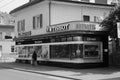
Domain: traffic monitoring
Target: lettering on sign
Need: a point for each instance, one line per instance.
(88, 27)
(23, 34)
(37, 42)
(58, 28)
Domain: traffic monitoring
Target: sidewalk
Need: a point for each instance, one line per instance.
(110, 73)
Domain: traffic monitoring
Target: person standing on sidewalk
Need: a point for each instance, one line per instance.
(34, 58)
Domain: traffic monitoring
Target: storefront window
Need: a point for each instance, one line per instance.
(27, 51)
(69, 38)
(52, 40)
(58, 39)
(89, 38)
(77, 38)
(67, 51)
(91, 51)
(59, 51)
(63, 39)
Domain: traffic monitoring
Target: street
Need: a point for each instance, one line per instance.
(21, 71)
(10, 74)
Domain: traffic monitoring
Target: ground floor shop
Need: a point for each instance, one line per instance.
(69, 48)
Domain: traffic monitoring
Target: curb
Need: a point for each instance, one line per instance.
(31, 71)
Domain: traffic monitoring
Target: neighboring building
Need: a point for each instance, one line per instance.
(115, 2)
(6, 36)
(63, 32)
(6, 19)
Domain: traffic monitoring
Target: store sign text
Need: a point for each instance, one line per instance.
(38, 42)
(24, 34)
(86, 27)
(58, 28)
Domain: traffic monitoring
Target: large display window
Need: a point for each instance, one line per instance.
(91, 51)
(77, 51)
(66, 51)
(27, 51)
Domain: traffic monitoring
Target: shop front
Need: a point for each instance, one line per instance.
(73, 44)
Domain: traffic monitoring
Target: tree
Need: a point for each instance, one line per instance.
(110, 22)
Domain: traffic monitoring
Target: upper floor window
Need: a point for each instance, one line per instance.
(13, 49)
(38, 21)
(21, 25)
(1, 37)
(98, 19)
(86, 18)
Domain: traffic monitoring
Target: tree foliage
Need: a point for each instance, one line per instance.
(110, 22)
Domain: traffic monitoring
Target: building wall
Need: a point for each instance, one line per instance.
(58, 12)
(6, 19)
(28, 14)
(64, 13)
(7, 29)
(6, 46)
(61, 12)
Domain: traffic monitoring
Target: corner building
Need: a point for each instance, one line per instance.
(63, 33)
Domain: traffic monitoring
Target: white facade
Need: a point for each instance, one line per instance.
(46, 17)
(7, 34)
(65, 12)
(28, 13)
(6, 19)
(56, 12)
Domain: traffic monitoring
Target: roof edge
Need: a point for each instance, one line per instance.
(25, 5)
(37, 1)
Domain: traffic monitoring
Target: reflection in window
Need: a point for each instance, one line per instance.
(52, 40)
(63, 39)
(67, 51)
(69, 38)
(77, 38)
(91, 51)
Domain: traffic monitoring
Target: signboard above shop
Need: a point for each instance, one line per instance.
(24, 34)
(74, 25)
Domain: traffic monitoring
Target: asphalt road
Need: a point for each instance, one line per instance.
(10, 74)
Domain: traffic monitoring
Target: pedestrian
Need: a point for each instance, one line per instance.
(34, 58)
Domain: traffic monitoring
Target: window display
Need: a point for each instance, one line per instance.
(91, 51)
(77, 52)
(66, 51)
(27, 51)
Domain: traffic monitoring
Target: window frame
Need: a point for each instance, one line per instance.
(38, 21)
(86, 18)
(21, 25)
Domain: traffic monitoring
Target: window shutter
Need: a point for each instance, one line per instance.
(41, 20)
(34, 22)
(18, 26)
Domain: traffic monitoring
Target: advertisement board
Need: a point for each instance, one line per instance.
(75, 25)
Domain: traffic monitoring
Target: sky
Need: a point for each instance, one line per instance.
(8, 5)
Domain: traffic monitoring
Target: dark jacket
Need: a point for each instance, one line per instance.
(34, 56)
